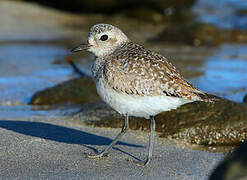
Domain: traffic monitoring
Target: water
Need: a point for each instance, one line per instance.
(222, 13)
(27, 68)
(225, 73)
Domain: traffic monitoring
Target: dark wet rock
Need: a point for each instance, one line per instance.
(157, 11)
(223, 123)
(245, 98)
(114, 6)
(161, 11)
(195, 33)
(242, 12)
(78, 91)
(234, 166)
(145, 14)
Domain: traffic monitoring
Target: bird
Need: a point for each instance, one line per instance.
(135, 81)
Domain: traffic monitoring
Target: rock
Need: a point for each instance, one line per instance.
(157, 11)
(234, 166)
(223, 123)
(115, 6)
(245, 98)
(194, 33)
(242, 12)
(78, 91)
(145, 14)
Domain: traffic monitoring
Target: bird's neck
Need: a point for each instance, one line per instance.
(105, 55)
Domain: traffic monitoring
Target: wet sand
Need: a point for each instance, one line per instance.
(54, 148)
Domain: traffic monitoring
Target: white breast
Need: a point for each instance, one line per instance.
(134, 105)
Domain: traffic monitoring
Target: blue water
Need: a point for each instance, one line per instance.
(27, 68)
(222, 13)
(225, 73)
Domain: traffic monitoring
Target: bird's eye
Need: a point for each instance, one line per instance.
(104, 37)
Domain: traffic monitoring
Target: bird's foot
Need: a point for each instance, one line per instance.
(141, 163)
(99, 155)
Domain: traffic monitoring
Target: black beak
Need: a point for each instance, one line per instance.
(80, 48)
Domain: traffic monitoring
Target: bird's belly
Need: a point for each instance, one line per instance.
(134, 105)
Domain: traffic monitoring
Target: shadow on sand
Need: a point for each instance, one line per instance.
(59, 134)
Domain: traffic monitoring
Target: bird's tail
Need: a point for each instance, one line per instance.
(208, 97)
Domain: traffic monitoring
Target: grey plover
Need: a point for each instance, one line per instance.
(135, 81)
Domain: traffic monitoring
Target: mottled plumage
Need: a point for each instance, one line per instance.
(133, 70)
(135, 81)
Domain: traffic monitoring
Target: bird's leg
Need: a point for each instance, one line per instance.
(150, 146)
(151, 140)
(123, 131)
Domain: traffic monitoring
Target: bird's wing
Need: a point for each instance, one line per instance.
(149, 74)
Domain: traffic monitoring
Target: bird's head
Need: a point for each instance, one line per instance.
(103, 39)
